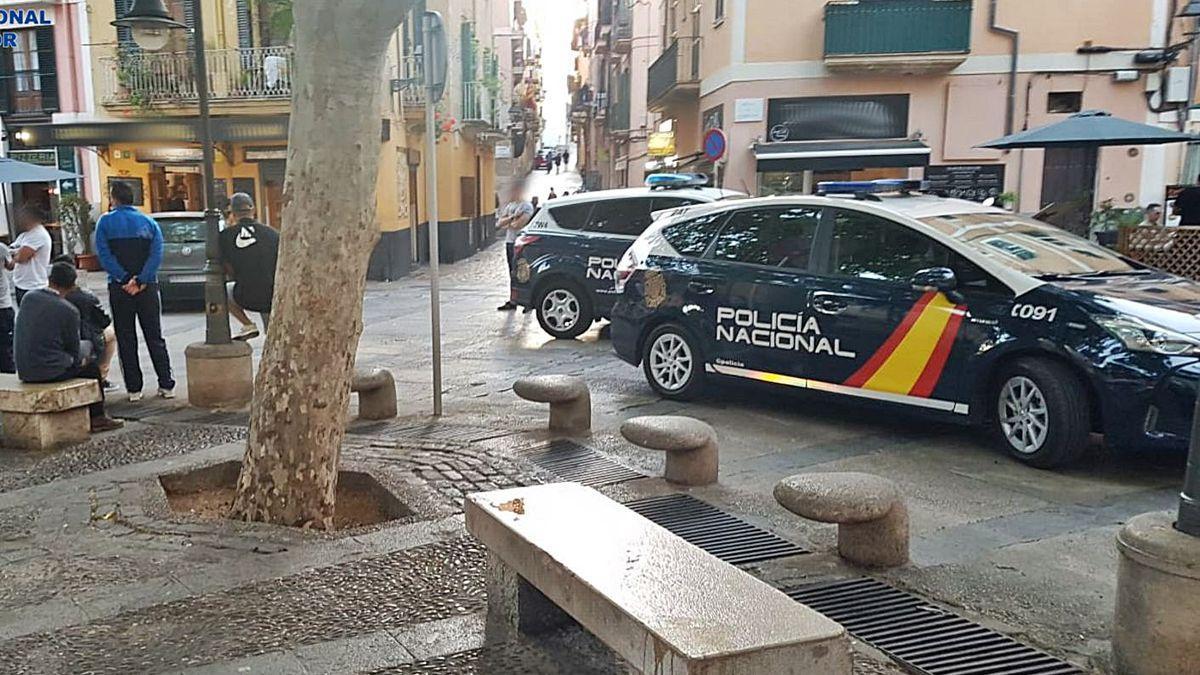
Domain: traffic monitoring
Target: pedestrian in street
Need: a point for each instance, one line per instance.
(48, 346)
(1187, 205)
(557, 163)
(567, 158)
(534, 202)
(30, 260)
(249, 252)
(552, 195)
(7, 315)
(130, 247)
(95, 326)
(515, 215)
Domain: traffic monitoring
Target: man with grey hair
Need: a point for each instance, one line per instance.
(249, 252)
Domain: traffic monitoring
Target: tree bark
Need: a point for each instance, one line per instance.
(289, 474)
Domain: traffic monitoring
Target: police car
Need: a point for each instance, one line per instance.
(566, 257)
(938, 305)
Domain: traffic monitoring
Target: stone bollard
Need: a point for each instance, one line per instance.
(870, 513)
(1158, 598)
(568, 396)
(376, 391)
(691, 446)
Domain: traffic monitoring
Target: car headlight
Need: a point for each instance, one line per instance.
(1141, 336)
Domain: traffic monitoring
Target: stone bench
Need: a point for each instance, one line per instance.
(691, 446)
(870, 513)
(565, 551)
(568, 396)
(46, 416)
(376, 391)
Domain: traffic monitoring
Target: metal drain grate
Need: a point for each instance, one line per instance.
(580, 464)
(726, 536)
(446, 433)
(923, 636)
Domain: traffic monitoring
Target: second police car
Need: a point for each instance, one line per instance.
(565, 260)
(944, 306)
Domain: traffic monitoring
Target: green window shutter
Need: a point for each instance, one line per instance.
(46, 68)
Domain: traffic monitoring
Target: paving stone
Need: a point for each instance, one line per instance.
(570, 651)
(418, 585)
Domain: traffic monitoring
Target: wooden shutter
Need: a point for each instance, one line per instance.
(47, 70)
(245, 25)
(125, 43)
(189, 19)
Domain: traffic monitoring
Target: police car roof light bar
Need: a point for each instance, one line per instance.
(868, 189)
(676, 181)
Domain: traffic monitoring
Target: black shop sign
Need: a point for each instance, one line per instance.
(973, 182)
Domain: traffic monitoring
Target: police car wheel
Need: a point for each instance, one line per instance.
(563, 310)
(672, 363)
(1041, 413)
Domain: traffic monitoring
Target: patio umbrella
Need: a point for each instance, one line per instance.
(13, 171)
(1089, 129)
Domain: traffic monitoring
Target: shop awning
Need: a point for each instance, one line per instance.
(840, 155)
(234, 129)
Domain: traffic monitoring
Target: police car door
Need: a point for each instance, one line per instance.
(612, 228)
(761, 325)
(885, 339)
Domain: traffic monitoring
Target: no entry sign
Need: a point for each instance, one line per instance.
(714, 145)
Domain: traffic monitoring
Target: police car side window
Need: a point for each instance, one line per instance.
(571, 216)
(620, 216)
(691, 238)
(775, 237)
(869, 247)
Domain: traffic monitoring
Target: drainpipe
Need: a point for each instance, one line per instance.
(1015, 38)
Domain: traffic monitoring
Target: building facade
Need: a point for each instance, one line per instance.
(809, 90)
(143, 129)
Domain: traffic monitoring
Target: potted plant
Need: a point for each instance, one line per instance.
(74, 213)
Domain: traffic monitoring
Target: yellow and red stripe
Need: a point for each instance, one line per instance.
(912, 359)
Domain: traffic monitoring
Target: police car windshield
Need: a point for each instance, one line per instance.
(1029, 245)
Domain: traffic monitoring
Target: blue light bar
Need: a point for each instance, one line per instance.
(676, 180)
(870, 187)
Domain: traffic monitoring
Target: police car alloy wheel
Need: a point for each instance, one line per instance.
(1042, 416)
(563, 310)
(672, 364)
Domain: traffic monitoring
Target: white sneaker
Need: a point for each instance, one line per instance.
(135, 396)
(166, 393)
(248, 332)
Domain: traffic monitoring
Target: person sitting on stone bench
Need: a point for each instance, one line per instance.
(47, 345)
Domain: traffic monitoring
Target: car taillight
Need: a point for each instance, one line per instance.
(625, 269)
(523, 241)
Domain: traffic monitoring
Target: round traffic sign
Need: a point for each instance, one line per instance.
(714, 144)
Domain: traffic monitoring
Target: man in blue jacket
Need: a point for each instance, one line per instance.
(130, 247)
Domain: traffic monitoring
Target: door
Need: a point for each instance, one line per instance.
(760, 326)
(888, 340)
(611, 229)
(1069, 186)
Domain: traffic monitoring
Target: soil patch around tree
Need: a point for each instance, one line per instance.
(208, 494)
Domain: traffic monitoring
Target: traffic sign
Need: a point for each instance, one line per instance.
(714, 145)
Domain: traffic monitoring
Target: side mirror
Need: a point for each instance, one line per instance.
(935, 279)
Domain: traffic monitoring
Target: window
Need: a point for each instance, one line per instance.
(718, 11)
(1058, 102)
(190, 231)
(571, 216)
(869, 247)
(822, 118)
(778, 237)
(627, 217)
(669, 203)
(28, 84)
(691, 238)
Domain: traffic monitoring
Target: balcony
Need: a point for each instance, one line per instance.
(898, 35)
(675, 77)
(28, 94)
(622, 32)
(149, 80)
(411, 78)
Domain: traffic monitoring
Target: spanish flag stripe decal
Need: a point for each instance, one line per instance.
(904, 365)
(881, 356)
(941, 354)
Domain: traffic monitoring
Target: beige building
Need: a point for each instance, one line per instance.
(144, 128)
(809, 90)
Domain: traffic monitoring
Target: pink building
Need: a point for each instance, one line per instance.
(809, 90)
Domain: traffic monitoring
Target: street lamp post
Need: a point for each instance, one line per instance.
(1188, 520)
(219, 370)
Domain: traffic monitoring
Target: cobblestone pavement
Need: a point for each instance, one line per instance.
(415, 586)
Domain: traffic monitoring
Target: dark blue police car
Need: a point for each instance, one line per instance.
(566, 257)
(944, 306)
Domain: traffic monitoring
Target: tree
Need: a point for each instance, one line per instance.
(289, 474)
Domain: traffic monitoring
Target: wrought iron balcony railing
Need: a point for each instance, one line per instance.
(146, 79)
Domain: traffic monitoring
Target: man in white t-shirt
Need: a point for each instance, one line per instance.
(7, 317)
(30, 260)
(515, 215)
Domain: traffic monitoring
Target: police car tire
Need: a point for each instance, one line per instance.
(1068, 412)
(695, 383)
(586, 318)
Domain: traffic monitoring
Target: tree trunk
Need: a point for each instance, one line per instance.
(289, 474)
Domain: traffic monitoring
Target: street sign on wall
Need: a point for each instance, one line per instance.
(661, 144)
(715, 145)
